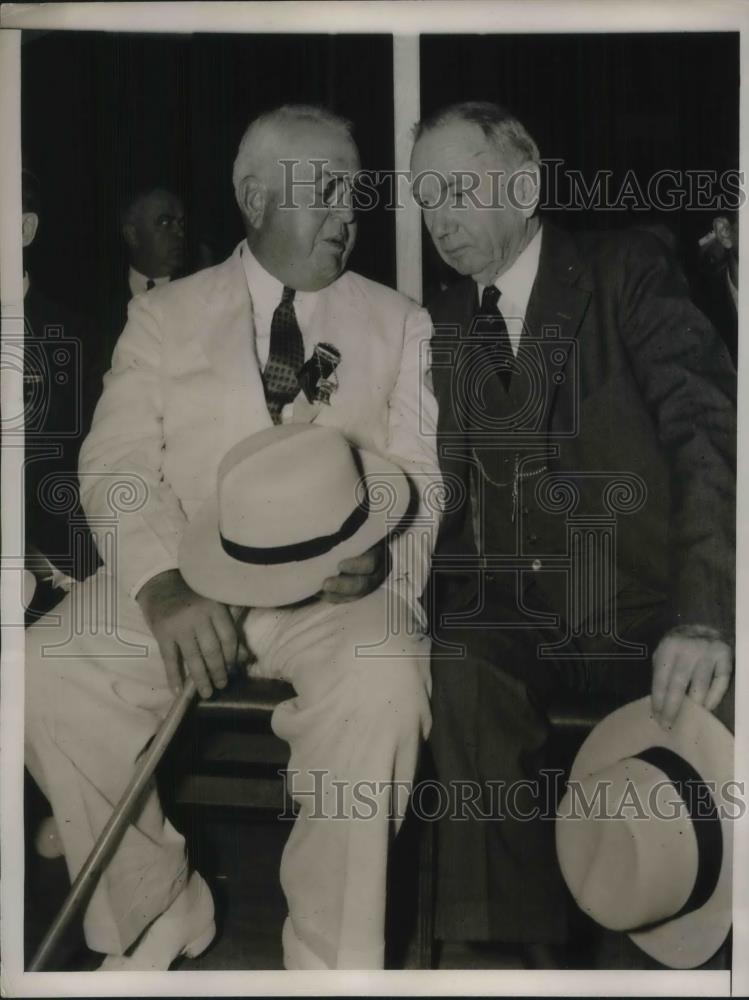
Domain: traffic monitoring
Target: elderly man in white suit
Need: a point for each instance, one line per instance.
(189, 381)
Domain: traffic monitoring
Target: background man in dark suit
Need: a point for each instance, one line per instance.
(153, 228)
(153, 225)
(59, 397)
(586, 438)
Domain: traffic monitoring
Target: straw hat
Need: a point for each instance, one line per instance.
(644, 831)
(292, 501)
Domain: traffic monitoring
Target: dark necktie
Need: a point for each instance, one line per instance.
(150, 284)
(285, 358)
(489, 323)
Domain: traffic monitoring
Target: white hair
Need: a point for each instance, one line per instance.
(245, 162)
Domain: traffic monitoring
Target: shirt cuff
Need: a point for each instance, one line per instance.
(700, 632)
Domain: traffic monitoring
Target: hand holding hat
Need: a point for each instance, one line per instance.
(692, 659)
(294, 503)
(358, 576)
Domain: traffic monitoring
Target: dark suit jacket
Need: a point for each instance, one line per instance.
(59, 398)
(638, 383)
(715, 299)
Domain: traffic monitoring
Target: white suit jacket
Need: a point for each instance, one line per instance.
(185, 386)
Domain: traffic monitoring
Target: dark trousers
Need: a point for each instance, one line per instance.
(498, 877)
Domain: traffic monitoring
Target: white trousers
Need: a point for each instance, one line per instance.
(96, 693)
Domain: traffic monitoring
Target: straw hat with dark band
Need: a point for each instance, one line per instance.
(292, 501)
(644, 831)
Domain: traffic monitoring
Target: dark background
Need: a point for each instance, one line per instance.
(103, 113)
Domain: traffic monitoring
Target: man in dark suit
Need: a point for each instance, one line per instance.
(59, 397)
(153, 229)
(586, 439)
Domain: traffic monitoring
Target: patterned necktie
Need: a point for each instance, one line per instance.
(285, 358)
(490, 324)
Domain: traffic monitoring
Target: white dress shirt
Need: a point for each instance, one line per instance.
(138, 283)
(515, 289)
(265, 293)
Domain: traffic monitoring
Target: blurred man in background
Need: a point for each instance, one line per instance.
(58, 402)
(153, 228)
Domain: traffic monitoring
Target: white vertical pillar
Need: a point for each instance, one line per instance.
(407, 104)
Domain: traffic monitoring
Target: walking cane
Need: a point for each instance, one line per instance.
(120, 818)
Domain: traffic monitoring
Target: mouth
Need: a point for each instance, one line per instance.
(454, 251)
(335, 243)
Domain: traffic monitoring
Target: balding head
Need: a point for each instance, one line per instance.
(293, 178)
(270, 132)
(507, 133)
(476, 175)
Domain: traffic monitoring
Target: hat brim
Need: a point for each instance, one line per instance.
(703, 741)
(208, 569)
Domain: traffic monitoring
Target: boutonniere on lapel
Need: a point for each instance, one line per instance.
(317, 377)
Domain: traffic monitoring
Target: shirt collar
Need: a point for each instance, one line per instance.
(515, 284)
(138, 281)
(266, 290)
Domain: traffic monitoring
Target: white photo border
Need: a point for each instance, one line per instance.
(403, 19)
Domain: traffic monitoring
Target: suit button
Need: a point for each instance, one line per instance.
(525, 511)
(536, 565)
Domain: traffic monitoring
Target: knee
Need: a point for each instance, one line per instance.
(392, 694)
(47, 677)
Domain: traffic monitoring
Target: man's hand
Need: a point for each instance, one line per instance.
(358, 576)
(192, 630)
(693, 661)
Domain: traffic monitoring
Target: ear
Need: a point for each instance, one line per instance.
(524, 188)
(29, 226)
(723, 232)
(130, 235)
(252, 195)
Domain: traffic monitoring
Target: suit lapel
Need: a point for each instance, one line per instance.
(452, 313)
(343, 318)
(227, 341)
(559, 299)
(560, 294)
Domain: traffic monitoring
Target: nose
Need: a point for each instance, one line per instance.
(439, 221)
(178, 228)
(345, 213)
(343, 207)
